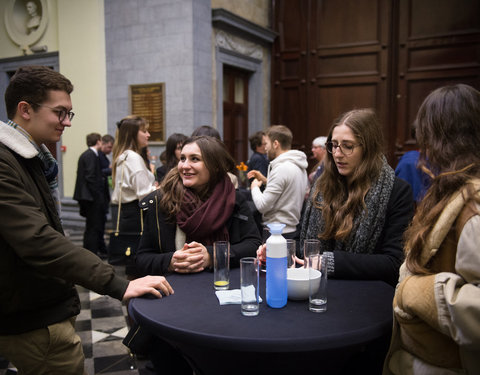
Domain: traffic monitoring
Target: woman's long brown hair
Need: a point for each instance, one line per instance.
(126, 138)
(448, 135)
(218, 162)
(341, 202)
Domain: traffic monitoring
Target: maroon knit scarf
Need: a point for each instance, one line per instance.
(205, 222)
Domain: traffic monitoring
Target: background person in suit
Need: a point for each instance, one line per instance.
(91, 195)
(106, 166)
(106, 149)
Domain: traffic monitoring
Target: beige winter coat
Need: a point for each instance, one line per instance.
(437, 317)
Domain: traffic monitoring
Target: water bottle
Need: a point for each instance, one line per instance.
(276, 267)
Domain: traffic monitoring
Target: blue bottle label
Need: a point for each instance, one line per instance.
(276, 282)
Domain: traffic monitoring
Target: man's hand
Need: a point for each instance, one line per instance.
(148, 284)
(255, 183)
(262, 253)
(258, 175)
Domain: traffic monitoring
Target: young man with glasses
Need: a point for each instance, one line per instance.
(39, 267)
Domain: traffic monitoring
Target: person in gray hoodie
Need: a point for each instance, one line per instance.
(286, 182)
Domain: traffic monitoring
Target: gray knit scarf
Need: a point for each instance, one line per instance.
(367, 226)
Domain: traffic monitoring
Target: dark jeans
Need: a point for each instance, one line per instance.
(93, 237)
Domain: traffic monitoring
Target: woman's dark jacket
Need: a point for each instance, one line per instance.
(153, 259)
(384, 263)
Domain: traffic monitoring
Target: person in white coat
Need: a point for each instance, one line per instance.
(286, 182)
(132, 177)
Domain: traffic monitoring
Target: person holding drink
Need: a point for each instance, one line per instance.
(195, 206)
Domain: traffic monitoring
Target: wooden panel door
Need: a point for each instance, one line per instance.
(332, 56)
(290, 73)
(328, 59)
(351, 50)
(235, 112)
(434, 49)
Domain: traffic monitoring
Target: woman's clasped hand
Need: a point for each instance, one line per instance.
(193, 257)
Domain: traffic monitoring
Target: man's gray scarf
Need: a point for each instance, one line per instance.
(367, 226)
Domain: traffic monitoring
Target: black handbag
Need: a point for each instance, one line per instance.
(122, 247)
(138, 340)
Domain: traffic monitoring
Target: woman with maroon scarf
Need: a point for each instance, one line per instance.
(195, 206)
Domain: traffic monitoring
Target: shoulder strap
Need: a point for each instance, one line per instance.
(119, 201)
(158, 224)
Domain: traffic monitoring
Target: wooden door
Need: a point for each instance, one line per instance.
(434, 49)
(290, 68)
(328, 59)
(332, 56)
(235, 112)
(351, 48)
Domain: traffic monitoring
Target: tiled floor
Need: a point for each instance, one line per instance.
(101, 325)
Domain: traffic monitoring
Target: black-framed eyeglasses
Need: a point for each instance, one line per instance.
(62, 113)
(346, 148)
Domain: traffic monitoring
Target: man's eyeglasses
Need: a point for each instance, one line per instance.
(62, 113)
(345, 148)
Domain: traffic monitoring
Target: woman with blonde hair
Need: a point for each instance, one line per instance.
(357, 207)
(437, 301)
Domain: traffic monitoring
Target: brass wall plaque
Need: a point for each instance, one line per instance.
(148, 101)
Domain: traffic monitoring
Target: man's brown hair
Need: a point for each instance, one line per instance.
(32, 85)
(282, 134)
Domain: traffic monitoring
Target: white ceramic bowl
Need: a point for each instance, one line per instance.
(298, 282)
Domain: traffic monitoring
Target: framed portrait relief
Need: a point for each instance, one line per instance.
(26, 21)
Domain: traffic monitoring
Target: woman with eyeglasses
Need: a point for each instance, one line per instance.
(358, 209)
(437, 301)
(131, 175)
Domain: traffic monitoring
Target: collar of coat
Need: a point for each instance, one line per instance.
(16, 141)
(445, 222)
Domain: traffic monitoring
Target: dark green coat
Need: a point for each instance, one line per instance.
(39, 267)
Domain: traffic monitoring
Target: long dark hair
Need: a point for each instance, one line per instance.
(448, 134)
(172, 142)
(218, 162)
(341, 202)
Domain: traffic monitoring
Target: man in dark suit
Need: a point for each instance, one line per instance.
(91, 196)
(105, 166)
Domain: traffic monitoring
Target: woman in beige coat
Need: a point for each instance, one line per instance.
(437, 301)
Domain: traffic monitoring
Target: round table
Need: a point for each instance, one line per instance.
(358, 319)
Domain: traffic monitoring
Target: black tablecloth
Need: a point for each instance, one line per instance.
(359, 313)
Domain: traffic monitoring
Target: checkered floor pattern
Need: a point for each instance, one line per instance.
(101, 325)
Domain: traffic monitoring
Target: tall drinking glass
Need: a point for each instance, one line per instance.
(310, 247)
(221, 265)
(317, 274)
(249, 286)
